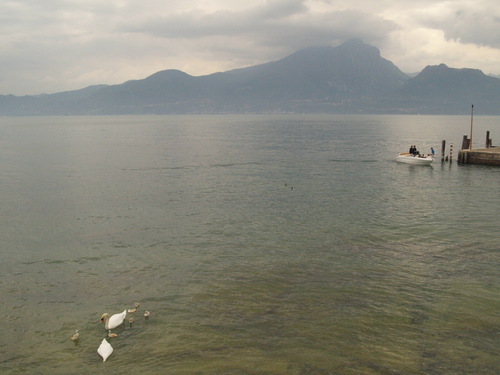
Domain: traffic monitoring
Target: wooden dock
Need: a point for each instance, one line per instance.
(482, 156)
(489, 155)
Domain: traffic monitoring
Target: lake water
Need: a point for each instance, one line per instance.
(273, 244)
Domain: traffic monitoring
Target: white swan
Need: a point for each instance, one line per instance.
(114, 321)
(105, 350)
(75, 336)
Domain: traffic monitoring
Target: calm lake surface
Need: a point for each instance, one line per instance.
(273, 244)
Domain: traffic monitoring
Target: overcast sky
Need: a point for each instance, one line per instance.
(49, 46)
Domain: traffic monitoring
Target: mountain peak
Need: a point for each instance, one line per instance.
(352, 49)
(357, 47)
(169, 74)
(445, 71)
(440, 86)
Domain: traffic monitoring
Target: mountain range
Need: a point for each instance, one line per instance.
(351, 78)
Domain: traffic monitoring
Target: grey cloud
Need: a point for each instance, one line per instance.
(482, 29)
(280, 9)
(280, 23)
(198, 23)
(477, 23)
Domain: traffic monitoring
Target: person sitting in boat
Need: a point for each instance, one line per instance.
(412, 150)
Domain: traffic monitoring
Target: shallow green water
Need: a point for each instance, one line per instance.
(261, 245)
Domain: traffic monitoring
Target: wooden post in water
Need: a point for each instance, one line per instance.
(488, 139)
(465, 142)
(443, 148)
(451, 151)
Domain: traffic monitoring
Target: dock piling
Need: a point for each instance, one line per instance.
(465, 142)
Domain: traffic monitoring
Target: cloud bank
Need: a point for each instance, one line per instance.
(59, 45)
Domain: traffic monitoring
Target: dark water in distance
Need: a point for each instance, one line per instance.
(278, 244)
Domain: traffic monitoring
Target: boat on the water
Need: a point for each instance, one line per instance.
(406, 157)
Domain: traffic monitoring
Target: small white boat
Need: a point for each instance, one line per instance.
(406, 157)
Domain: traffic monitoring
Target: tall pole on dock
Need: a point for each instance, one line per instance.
(471, 120)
